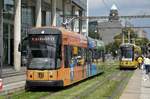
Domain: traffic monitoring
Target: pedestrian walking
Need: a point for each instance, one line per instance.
(140, 61)
(147, 68)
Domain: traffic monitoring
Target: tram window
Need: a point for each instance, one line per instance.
(81, 56)
(58, 63)
(59, 57)
(127, 53)
(94, 54)
(97, 54)
(82, 52)
(86, 55)
(67, 55)
(89, 56)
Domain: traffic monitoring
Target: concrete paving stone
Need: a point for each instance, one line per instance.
(137, 88)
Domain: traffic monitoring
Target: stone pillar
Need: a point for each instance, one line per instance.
(1, 38)
(87, 21)
(54, 12)
(17, 35)
(38, 13)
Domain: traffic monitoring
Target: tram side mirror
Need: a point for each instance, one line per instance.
(23, 46)
(19, 47)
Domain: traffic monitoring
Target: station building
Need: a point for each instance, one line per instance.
(106, 29)
(18, 16)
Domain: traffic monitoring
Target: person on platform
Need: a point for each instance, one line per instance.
(140, 61)
(147, 67)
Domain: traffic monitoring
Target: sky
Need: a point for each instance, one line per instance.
(125, 7)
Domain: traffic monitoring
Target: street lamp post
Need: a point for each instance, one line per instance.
(123, 41)
(129, 36)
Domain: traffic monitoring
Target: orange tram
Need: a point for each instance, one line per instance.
(58, 57)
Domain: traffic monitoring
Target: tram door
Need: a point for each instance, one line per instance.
(8, 44)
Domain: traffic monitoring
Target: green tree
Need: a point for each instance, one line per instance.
(114, 46)
(94, 35)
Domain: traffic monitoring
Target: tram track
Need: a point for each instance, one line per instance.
(97, 84)
(120, 87)
(100, 83)
(76, 94)
(79, 90)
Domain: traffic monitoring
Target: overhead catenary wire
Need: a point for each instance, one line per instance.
(105, 4)
(123, 27)
(106, 17)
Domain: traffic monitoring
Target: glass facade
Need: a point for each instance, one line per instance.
(8, 32)
(59, 12)
(59, 19)
(28, 20)
(76, 23)
(46, 12)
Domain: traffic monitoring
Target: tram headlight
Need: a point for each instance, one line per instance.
(30, 75)
(50, 74)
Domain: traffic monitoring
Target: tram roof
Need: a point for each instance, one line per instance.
(127, 45)
(54, 30)
(59, 31)
(44, 30)
(130, 45)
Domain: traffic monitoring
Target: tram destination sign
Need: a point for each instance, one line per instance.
(40, 38)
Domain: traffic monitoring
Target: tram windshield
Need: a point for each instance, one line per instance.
(127, 53)
(43, 51)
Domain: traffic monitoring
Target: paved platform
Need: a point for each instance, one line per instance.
(13, 80)
(10, 71)
(137, 88)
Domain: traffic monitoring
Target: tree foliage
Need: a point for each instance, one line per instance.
(114, 46)
(94, 35)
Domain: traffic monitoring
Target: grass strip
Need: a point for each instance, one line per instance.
(76, 90)
(67, 93)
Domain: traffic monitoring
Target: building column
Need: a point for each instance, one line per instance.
(1, 37)
(17, 35)
(38, 13)
(53, 12)
(87, 20)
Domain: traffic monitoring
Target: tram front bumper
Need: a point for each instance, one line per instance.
(128, 65)
(49, 83)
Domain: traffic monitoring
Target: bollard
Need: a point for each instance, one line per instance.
(1, 85)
